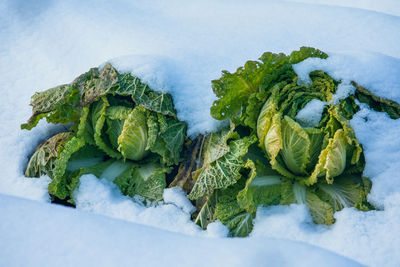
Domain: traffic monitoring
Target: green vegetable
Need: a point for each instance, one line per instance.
(120, 130)
(269, 157)
(123, 131)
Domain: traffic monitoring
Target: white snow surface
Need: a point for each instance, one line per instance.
(177, 197)
(179, 47)
(104, 197)
(388, 6)
(311, 114)
(377, 72)
(59, 236)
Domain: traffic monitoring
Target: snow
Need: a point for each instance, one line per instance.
(369, 237)
(379, 73)
(388, 6)
(179, 47)
(58, 236)
(178, 197)
(380, 138)
(103, 197)
(344, 90)
(311, 114)
(100, 196)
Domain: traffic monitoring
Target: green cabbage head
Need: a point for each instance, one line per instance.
(307, 153)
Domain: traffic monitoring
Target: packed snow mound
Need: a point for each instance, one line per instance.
(103, 197)
(380, 138)
(379, 73)
(54, 235)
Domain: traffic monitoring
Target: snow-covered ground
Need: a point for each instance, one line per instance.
(50, 235)
(180, 47)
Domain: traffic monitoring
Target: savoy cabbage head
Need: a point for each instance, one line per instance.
(119, 129)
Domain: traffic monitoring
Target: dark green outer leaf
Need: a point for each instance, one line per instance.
(263, 187)
(377, 103)
(228, 211)
(174, 136)
(222, 172)
(96, 83)
(57, 105)
(57, 186)
(206, 214)
(85, 127)
(62, 104)
(169, 142)
(144, 96)
(216, 144)
(151, 186)
(65, 186)
(234, 89)
(304, 53)
(43, 160)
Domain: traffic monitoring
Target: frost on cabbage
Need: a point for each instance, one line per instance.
(118, 129)
(268, 157)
